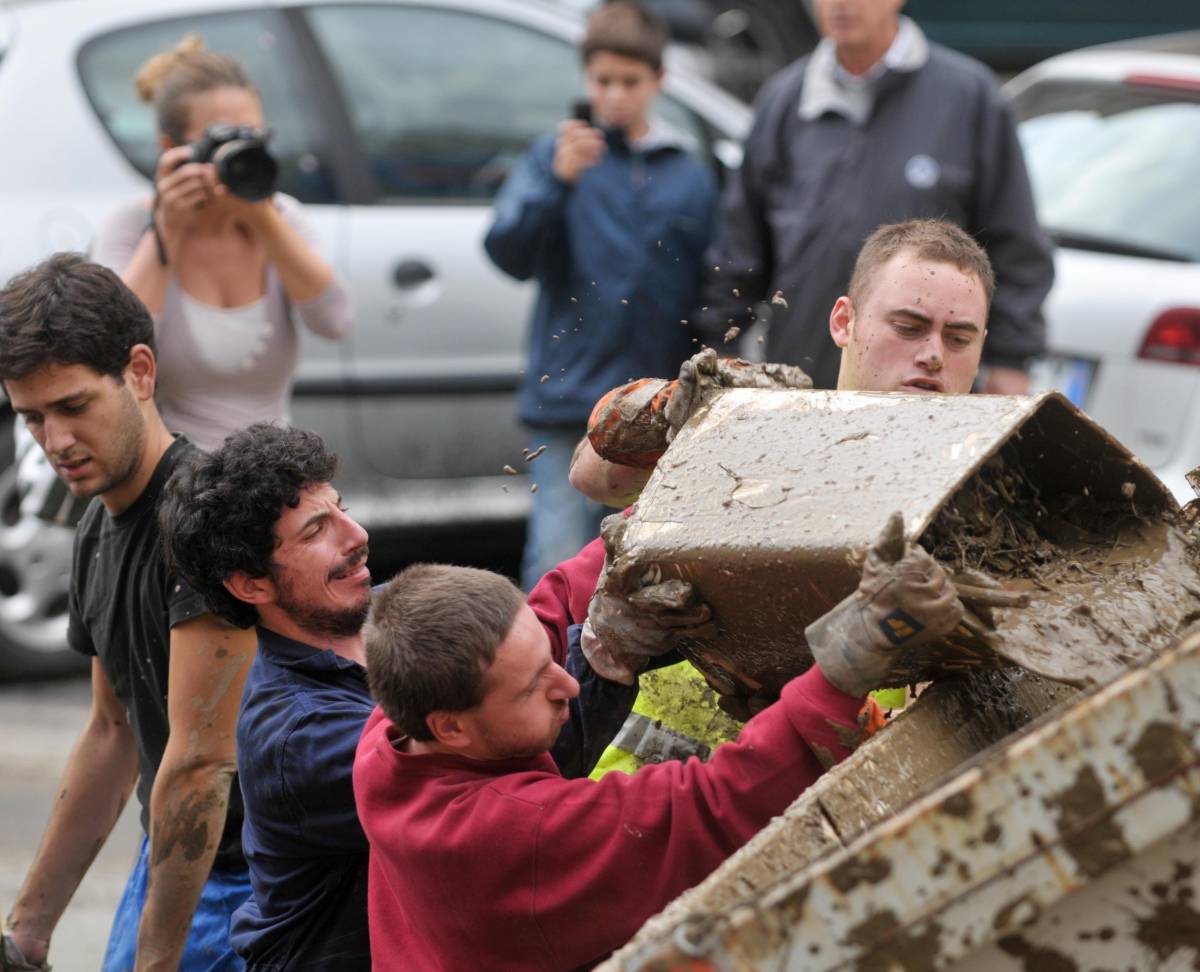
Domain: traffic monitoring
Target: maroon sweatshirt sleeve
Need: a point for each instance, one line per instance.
(610, 854)
(560, 599)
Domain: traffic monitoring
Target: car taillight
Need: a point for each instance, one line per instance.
(1174, 336)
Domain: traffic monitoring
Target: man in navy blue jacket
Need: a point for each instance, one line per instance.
(612, 220)
(261, 533)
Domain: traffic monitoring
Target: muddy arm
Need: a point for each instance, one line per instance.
(209, 662)
(605, 482)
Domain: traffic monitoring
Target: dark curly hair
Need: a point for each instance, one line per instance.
(219, 509)
(69, 311)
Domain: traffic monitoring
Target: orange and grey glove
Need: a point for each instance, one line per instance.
(635, 615)
(904, 600)
(633, 425)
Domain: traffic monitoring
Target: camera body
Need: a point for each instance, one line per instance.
(242, 159)
(581, 110)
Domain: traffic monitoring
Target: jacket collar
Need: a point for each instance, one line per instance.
(660, 137)
(300, 657)
(829, 87)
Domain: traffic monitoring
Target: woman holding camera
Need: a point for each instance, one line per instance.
(225, 277)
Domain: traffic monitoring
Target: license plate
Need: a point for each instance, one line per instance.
(1071, 376)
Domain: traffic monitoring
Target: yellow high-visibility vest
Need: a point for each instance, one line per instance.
(675, 716)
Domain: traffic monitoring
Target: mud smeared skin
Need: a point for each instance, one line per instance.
(1094, 845)
(187, 829)
(1036, 958)
(1162, 750)
(851, 873)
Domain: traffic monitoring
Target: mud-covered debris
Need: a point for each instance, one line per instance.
(1087, 577)
(509, 470)
(731, 334)
(536, 452)
(778, 300)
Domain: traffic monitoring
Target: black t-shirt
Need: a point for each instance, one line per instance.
(123, 604)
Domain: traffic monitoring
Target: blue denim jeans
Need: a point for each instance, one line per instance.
(561, 520)
(207, 948)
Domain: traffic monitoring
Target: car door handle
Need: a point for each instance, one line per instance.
(410, 274)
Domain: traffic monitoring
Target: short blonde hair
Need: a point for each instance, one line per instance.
(929, 239)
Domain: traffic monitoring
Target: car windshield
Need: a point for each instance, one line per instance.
(1115, 166)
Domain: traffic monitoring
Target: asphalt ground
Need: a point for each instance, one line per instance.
(38, 725)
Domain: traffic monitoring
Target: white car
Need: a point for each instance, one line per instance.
(1112, 140)
(395, 122)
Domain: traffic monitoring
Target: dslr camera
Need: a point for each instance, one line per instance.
(243, 162)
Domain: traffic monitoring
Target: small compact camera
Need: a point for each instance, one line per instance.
(581, 110)
(243, 162)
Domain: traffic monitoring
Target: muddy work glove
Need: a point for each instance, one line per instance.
(636, 615)
(633, 425)
(13, 960)
(904, 600)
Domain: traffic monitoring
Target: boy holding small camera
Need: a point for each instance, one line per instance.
(611, 215)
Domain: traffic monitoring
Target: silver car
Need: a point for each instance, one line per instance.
(395, 123)
(1112, 140)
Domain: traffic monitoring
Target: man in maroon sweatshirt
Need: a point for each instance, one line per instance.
(483, 856)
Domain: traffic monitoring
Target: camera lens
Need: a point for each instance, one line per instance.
(247, 168)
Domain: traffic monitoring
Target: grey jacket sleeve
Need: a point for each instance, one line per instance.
(1005, 223)
(738, 265)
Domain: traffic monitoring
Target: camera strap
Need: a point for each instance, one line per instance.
(152, 226)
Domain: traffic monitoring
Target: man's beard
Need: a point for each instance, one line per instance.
(128, 444)
(324, 621)
(502, 748)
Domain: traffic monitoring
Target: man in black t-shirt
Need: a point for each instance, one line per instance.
(77, 361)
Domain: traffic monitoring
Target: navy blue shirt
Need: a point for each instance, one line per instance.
(303, 709)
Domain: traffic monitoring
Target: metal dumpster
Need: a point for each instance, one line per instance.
(1073, 846)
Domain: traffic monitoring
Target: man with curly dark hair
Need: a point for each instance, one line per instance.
(260, 531)
(77, 361)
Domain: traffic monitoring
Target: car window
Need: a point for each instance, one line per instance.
(1115, 165)
(444, 102)
(107, 65)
